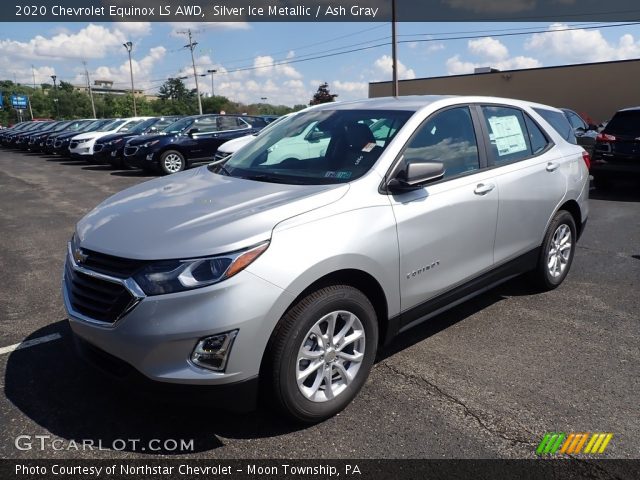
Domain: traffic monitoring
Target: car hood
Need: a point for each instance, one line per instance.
(91, 135)
(115, 136)
(234, 145)
(196, 213)
(149, 138)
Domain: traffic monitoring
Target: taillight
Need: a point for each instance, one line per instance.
(605, 137)
(587, 159)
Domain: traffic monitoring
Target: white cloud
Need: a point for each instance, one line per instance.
(489, 48)
(384, 65)
(120, 75)
(350, 90)
(435, 47)
(492, 53)
(266, 66)
(577, 46)
(137, 29)
(91, 42)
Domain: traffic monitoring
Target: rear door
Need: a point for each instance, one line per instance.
(529, 171)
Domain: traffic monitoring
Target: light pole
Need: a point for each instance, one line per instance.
(129, 47)
(212, 72)
(55, 93)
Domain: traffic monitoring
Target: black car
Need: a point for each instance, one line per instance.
(38, 141)
(186, 142)
(109, 150)
(617, 149)
(6, 132)
(62, 140)
(21, 140)
(73, 126)
(10, 138)
(585, 134)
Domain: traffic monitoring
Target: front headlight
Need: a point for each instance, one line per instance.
(173, 276)
(84, 140)
(150, 144)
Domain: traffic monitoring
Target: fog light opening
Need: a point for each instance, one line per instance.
(212, 352)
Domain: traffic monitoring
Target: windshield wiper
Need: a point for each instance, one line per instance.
(263, 177)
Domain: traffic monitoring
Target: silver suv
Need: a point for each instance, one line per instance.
(288, 277)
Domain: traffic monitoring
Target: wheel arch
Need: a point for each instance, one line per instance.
(573, 208)
(355, 278)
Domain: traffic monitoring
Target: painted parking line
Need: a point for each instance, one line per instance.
(30, 343)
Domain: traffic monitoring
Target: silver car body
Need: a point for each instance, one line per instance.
(413, 246)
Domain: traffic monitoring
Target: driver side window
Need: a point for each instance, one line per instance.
(447, 137)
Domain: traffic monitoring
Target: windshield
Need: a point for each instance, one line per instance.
(626, 122)
(111, 126)
(179, 126)
(316, 147)
(142, 126)
(95, 125)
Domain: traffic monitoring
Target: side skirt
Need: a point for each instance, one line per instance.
(447, 300)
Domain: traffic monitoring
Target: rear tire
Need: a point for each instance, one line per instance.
(321, 352)
(556, 254)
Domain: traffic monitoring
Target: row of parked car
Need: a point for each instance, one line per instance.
(171, 144)
(164, 144)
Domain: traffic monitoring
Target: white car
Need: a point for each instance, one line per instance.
(235, 144)
(82, 145)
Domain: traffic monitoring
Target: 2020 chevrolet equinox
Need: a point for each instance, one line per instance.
(287, 277)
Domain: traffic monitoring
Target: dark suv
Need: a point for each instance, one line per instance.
(109, 150)
(188, 141)
(617, 149)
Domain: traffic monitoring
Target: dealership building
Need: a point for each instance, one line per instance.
(594, 90)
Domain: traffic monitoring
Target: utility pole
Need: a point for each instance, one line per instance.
(212, 72)
(394, 54)
(55, 92)
(93, 105)
(129, 47)
(191, 46)
(33, 72)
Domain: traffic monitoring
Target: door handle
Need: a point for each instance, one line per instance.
(484, 188)
(551, 166)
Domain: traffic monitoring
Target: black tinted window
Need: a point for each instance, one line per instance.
(538, 141)
(559, 123)
(447, 137)
(625, 123)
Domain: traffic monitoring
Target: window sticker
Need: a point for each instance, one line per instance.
(508, 134)
(433, 130)
(343, 175)
(368, 147)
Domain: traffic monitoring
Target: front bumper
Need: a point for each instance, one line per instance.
(158, 335)
(139, 157)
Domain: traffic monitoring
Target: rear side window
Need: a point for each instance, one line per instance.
(559, 123)
(625, 123)
(538, 140)
(508, 134)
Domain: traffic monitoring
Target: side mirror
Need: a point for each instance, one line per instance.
(315, 136)
(193, 131)
(416, 175)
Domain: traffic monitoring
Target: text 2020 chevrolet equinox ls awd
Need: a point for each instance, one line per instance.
(295, 272)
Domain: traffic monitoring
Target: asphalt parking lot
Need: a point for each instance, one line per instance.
(485, 380)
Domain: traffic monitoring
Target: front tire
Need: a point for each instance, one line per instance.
(321, 352)
(172, 161)
(556, 254)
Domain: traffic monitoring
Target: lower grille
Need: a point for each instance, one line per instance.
(128, 151)
(96, 298)
(98, 147)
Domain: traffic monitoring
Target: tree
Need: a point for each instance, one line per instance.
(65, 86)
(173, 89)
(323, 95)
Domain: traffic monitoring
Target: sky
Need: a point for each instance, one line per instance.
(275, 60)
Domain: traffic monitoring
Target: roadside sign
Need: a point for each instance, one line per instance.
(1, 101)
(19, 102)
